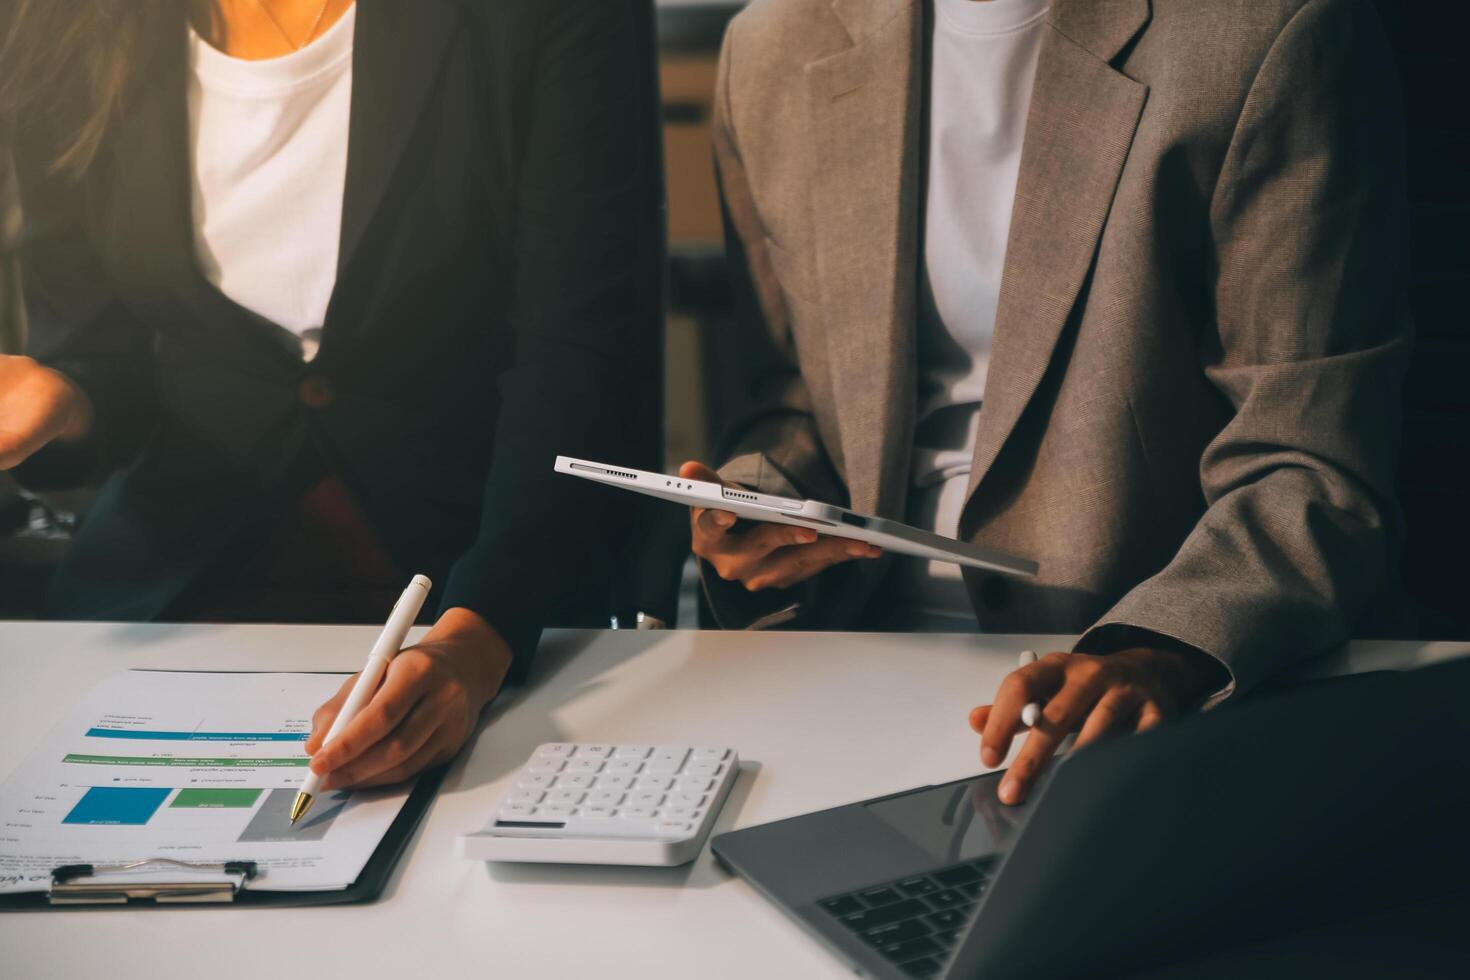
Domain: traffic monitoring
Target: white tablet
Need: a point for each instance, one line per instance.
(824, 518)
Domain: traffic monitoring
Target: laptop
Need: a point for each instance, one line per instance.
(1286, 810)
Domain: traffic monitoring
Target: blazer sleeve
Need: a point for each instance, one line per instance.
(586, 287)
(1301, 531)
(76, 324)
(774, 445)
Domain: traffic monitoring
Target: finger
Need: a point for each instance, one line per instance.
(401, 690)
(392, 751)
(711, 526)
(788, 566)
(1061, 716)
(978, 717)
(1034, 682)
(439, 749)
(707, 524)
(695, 470)
(750, 548)
(1117, 708)
(1150, 716)
(322, 718)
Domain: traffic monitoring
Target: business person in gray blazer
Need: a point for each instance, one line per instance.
(1116, 285)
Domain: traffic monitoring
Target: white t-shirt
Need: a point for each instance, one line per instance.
(269, 142)
(982, 68)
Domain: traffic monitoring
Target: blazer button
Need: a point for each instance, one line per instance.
(995, 592)
(315, 392)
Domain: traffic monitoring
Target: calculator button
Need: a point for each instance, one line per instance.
(667, 760)
(647, 798)
(686, 799)
(527, 795)
(540, 780)
(675, 827)
(625, 767)
(632, 751)
(709, 754)
(679, 813)
(704, 769)
(517, 811)
(604, 797)
(637, 812)
(594, 751)
(566, 797)
(694, 785)
(575, 780)
(546, 764)
(597, 812)
(555, 812)
(584, 764)
(660, 783)
(617, 782)
(557, 749)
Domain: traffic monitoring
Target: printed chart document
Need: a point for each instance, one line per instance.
(193, 766)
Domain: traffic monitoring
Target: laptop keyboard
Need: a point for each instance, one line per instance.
(914, 922)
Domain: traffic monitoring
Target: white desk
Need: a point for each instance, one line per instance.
(820, 719)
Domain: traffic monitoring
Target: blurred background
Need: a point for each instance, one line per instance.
(701, 394)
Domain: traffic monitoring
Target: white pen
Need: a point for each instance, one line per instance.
(390, 641)
(1030, 714)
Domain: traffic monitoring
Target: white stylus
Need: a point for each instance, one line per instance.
(390, 641)
(1030, 714)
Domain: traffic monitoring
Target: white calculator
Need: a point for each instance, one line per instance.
(609, 804)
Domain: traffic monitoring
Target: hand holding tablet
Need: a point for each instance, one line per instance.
(763, 556)
(841, 533)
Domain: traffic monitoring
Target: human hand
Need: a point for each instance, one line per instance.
(426, 708)
(1131, 690)
(37, 405)
(765, 556)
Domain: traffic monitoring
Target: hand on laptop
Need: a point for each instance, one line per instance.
(766, 556)
(427, 706)
(1131, 690)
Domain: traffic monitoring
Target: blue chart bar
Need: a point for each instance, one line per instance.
(117, 805)
(197, 736)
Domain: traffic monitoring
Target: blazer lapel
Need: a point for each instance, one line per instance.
(152, 181)
(866, 112)
(397, 54)
(1082, 119)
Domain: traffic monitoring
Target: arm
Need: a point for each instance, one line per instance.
(87, 401)
(586, 287)
(585, 294)
(1301, 529)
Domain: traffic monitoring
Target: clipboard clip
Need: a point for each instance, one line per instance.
(80, 884)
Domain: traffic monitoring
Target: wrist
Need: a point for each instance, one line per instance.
(478, 647)
(79, 415)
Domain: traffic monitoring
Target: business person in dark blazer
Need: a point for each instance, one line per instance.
(319, 290)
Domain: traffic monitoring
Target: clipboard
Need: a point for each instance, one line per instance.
(227, 885)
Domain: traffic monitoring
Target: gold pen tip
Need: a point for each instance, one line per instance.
(300, 806)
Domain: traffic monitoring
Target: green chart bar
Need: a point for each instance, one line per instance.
(215, 799)
(143, 760)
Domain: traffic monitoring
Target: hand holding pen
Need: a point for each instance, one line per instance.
(1051, 697)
